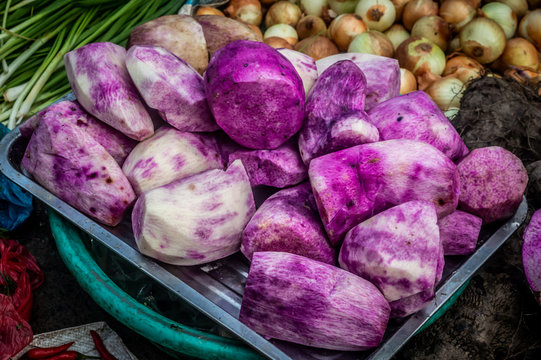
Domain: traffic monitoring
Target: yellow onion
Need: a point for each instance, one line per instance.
(519, 7)
(278, 43)
(454, 45)
(344, 28)
(283, 31)
(457, 13)
(433, 28)
(530, 27)
(311, 25)
(377, 14)
(482, 39)
(342, 6)
(248, 11)
(318, 47)
(256, 30)
(399, 8)
(451, 113)
(268, 2)
(420, 56)
(521, 53)
(208, 10)
(397, 34)
(416, 9)
(474, 3)
(463, 68)
(446, 92)
(314, 7)
(408, 82)
(372, 42)
(503, 15)
(283, 12)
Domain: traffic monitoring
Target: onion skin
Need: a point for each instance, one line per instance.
(433, 28)
(519, 7)
(399, 8)
(408, 82)
(317, 47)
(530, 28)
(284, 31)
(446, 92)
(397, 34)
(315, 7)
(343, 6)
(414, 53)
(483, 40)
(372, 42)
(311, 26)
(454, 45)
(457, 13)
(278, 43)
(248, 11)
(283, 12)
(416, 9)
(345, 28)
(208, 10)
(377, 14)
(474, 3)
(503, 15)
(463, 68)
(521, 53)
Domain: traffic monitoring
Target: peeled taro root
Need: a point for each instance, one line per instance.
(220, 31)
(305, 66)
(399, 251)
(293, 298)
(531, 254)
(194, 220)
(459, 232)
(73, 165)
(492, 182)
(255, 94)
(180, 34)
(415, 116)
(288, 221)
(352, 185)
(382, 75)
(115, 143)
(279, 168)
(170, 155)
(100, 81)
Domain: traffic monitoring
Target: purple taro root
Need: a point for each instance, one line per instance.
(170, 155)
(492, 182)
(73, 165)
(100, 81)
(255, 94)
(279, 168)
(305, 66)
(459, 232)
(288, 221)
(352, 185)
(115, 143)
(382, 75)
(194, 220)
(171, 86)
(293, 298)
(531, 254)
(399, 251)
(415, 116)
(334, 113)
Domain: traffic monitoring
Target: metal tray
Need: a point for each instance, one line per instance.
(216, 289)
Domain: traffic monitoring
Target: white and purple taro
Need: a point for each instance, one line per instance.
(170, 155)
(293, 298)
(171, 86)
(335, 118)
(459, 232)
(415, 116)
(399, 251)
(72, 164)
(255, 94)
(115, 143)
(353, 184)
(382, 75)
(194, 220)
(100, 81)
(492, 182)
(531, 254)
(305, 66)
(288, 221)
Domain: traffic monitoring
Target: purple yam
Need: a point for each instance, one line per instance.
(170, 155)
(255, 94)
(194, 220)
(459, 232)
(531, 254)
(73, 165)
(279, 168)
(415, 116)
(397, 250)
(382, 75)
(288, 221)
(171, 86)
(352, 185)
(100, 81)
(114, 142)
(305, 66)
(293, 298)
(492, 182)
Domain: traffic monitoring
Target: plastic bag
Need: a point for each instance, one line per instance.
(15, 332)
